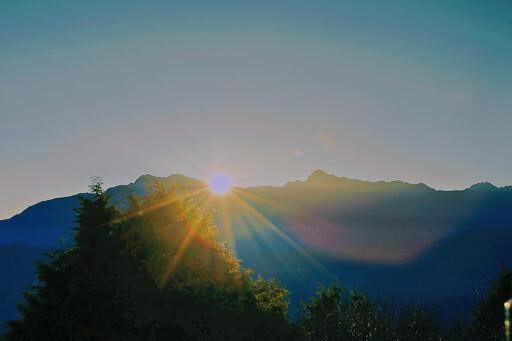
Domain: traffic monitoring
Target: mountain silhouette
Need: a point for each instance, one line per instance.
(49, 221)
(393, 238)
(17, 269)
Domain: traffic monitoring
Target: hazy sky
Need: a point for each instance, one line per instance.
(265, 91)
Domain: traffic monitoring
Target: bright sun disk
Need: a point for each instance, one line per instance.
(220, 183)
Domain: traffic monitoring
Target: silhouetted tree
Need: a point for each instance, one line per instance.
(75, 282)
(364, 321)
(323, 319)
(416, 324)
(488, 316)
(155, 271)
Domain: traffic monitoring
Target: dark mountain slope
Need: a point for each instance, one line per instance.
(17, 270)
(385, 222)
(44, 223)
(48, 222)
(446, 277)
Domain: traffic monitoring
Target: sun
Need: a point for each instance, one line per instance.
(220, 183)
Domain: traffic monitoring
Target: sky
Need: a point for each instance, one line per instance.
(264, 91)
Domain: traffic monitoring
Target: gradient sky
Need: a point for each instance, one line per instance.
(267, 92)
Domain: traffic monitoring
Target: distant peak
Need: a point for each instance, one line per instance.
(179, 178)
(172, 179)
(144, 178)
(319, 177)
(294, 183)
(483, 186)
(319, 172)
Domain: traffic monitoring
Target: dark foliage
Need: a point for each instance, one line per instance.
(158, 270)
(155, 271)
(489, 314)
(335, 314)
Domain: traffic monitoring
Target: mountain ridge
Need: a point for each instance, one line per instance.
(318, 176)
(49, 220)
(380, 233)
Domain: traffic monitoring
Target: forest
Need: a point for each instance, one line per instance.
(158, 269)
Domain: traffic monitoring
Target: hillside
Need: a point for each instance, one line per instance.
(17, 269)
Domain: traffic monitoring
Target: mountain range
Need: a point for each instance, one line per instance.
(394, 239)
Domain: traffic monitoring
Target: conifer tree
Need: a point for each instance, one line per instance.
(156, 271)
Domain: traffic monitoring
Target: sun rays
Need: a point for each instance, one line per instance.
(240, 223)
(274, 227)
(245, 220)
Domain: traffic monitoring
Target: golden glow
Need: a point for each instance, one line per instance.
(220, 183)
(239, 219)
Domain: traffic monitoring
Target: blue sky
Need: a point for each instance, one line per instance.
(264, 91)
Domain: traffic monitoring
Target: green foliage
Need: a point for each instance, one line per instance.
(271, 297)
(178, 247)
(155, 271)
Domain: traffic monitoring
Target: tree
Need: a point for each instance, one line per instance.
(336, 315)
(488, 316)
(74, 282)
(324, 314)
(271, 297)
(416, 324)
(363, 320)
(157, 270)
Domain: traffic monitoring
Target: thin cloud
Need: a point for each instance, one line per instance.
(297, 153)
